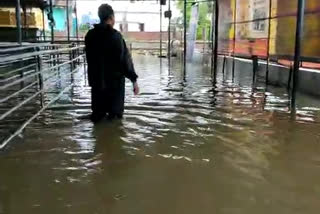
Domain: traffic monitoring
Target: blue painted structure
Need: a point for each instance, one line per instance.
(60, 18)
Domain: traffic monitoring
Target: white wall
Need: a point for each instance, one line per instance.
(151, 21)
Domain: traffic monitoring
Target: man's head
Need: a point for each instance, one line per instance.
(106, 14)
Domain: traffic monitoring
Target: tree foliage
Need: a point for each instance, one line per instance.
(84, 28)
(205, 9)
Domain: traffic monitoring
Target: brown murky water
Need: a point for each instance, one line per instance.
(182, 147)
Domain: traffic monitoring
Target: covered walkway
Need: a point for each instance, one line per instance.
(211, 135)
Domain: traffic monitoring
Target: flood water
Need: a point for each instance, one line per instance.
(183, 147)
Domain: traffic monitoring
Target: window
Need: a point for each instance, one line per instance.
(258, 14)
(141, 27)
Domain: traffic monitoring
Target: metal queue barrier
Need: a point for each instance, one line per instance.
(32, 67)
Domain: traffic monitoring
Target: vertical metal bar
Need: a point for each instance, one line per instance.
(255, 66)
(43, 25)
(24, 28)
(58, 60)
(85, 71)
(18, 22)
(213, 12)
(85, 65)
(234, 36)
(216, 35)
(224, 63)
(297, 53)
(184, 38)
(204, 39)
(54, 56)
(26, 22)
(268, 44)
(38, 60)
(70, 59)
(73, 66)
(51, 26)
(39, 68)
(169, 33)
(77, 23)
(160, 30)
(68, 21)
(39, 65)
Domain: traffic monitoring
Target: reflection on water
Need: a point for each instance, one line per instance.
(182, 147)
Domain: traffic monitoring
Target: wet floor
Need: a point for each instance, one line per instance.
(182, 147)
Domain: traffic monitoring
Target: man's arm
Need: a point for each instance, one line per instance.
(126, 62)
(89, 57)
(125, 59)
(129, 66)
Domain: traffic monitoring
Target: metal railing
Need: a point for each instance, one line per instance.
(24, 72)
(269, 31)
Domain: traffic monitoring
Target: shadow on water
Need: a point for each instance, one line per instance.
(182, 147)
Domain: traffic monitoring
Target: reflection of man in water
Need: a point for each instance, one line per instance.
(109, 62)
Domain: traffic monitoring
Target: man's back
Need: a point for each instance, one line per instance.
(104, 50)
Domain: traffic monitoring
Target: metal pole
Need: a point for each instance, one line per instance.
(77, 24)
(185, 38)
(24, 28)
(268, 45)
(169, 34)
(51, 26)
(212, 36)
(18, 22)
(297, 53)
(224, 64)
(43, 26)
(204, 39)
(216, 35)
(68, 21)
(234, 36)
(289, 78)
(160, 29)
(255, 67)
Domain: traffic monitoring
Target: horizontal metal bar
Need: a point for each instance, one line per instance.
(264, 61)
(33, 46)
(38, 53)
(42, 71)
(28, 86)
(19, 69)
(18, 92)
(50, 60)
(7, 113)
(15, 61)
(22, 103)
(16, 76)
(290, 57)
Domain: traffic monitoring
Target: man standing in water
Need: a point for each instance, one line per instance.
(109, 62)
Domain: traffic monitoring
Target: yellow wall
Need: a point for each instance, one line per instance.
(8, 18)
(273, 27)
(283, 29)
